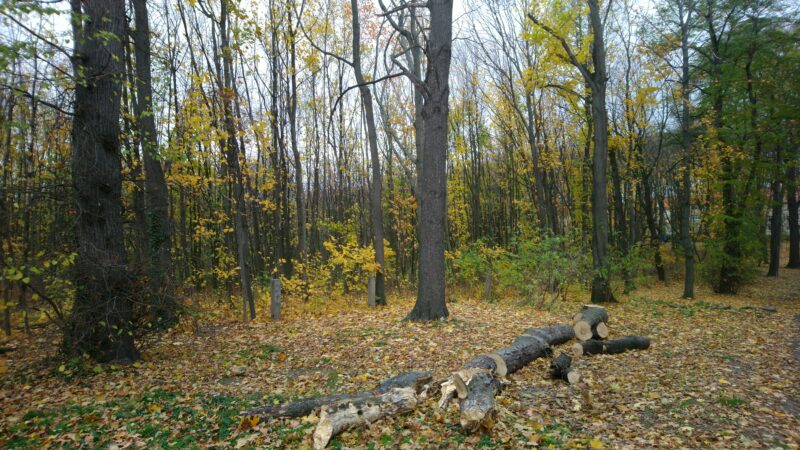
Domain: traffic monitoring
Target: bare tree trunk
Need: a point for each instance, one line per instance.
(156, 194)
(432, 180)
(794, 223)
(601, 285)
(232, 156)
(101, 320)
(376, 211)
(776, 222)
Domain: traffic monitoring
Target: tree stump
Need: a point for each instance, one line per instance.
(371, 292)
(275, 299)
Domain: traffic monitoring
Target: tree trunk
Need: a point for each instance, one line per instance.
(156, 194)
(686, 190)
(610, 347)
(376, 211)
(477, 384)
(232, 159)
(101, 320)
(430, 304)
(601, 284)
(794, 221)
(776, 223)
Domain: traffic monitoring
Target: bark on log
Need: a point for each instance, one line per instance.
(560, 368)
(591, 323)
(482, 374)
(611, 347)
(306, 406)
(350, 414)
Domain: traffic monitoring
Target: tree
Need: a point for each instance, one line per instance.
(165, 308)
(432, 179)
(596, 79)
(376, 189)
(102, 314)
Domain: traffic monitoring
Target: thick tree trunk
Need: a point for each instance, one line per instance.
(601, 284)
(376, 189)
(478, 383)
(306, 406)
(794, 221)
(611, 347)
(156, 194)
(360, 412)
(776, 223)
(432, 180)
(102, 314)
(686, 190)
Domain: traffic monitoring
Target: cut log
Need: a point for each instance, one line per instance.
(560, 368)
(610, 347)
(306, 406)
(483, 373)
(350, 414)
(477, 410)
(591, 323)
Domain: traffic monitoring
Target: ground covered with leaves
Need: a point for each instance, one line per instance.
(714, 377)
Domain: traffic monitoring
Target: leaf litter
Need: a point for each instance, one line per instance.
(714, 377)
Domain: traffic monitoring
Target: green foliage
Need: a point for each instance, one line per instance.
(534, 269)
(732, 256)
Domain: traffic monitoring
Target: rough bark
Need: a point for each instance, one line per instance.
(560, 368)
(794, 220)
(601, 285)
(232, 158)
(359, 412)
(611, 347)
(376, 189)
(481, 376)
(100, 323)
(306, 406)
(155, 186)
(776, 224)
(430, 304)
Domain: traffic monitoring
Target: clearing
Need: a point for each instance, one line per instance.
(713, 377)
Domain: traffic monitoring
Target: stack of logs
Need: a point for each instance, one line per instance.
(475, 385)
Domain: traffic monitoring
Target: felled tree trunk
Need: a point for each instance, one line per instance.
(611, 347)
(561, 369)
(353, 413)
(591, 323)
(306, 406)
(477, 384)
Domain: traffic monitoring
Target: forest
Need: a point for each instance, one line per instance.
(314, 223)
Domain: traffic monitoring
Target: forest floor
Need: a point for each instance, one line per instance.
(712, 378)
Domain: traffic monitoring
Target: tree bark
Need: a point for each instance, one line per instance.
(794, 221)
(477, 382)
(611, 347)
(156, 194)
(101, 320)
(601, 284)
(232, 159)
(560, 369)
(376, 211)
(776, 222)
(430, 304)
